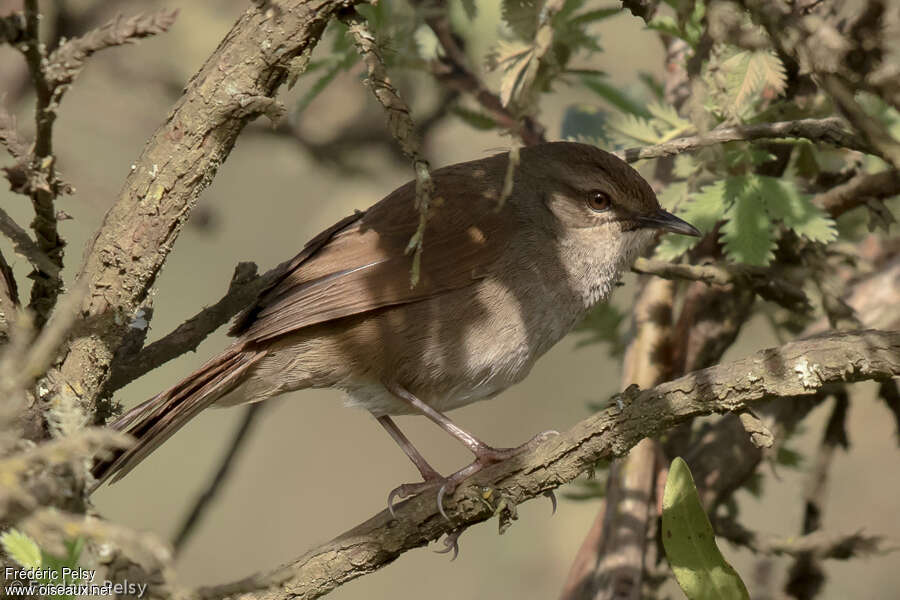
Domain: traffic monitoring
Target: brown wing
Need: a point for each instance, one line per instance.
(360, 264)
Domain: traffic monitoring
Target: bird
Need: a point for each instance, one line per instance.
(502, 278)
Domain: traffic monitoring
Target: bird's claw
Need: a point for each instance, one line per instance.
(451, 542)
(552, 496)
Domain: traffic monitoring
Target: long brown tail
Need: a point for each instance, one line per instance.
(156, 420)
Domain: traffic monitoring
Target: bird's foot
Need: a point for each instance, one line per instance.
(485, 456)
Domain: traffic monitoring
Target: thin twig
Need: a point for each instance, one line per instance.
(204, 500)
(759, 279)
(820, 544)
(245, 286)
(43, 188)
(858, 190)
(452, 72)
(797, 368)
(806, 576)
(830, 131)
(401, 127)
(25, 246)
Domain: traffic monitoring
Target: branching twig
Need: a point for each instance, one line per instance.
(24, 245)
(759, 279)
(830, 131)
(797, 368)
(820, 544)
(451, 71)
(858, 190)
(806, 575)
(244, 287)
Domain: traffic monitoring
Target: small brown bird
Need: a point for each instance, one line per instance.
(501, 282)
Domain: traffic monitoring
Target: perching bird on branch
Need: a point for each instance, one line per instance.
(500, 283)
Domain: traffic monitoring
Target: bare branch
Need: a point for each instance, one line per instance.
(858, 190)
(830, 131)
(451, 71)
(67, 61)
(9, 135)
(820, 544)
(797, 368)
(24, 245)
(251, 414)
(245, 286)
(759, 279)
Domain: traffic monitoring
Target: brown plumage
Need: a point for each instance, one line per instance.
(499, 285)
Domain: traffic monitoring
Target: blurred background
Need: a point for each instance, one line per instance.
(277, 189)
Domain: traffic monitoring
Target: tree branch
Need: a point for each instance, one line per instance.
(858, 190)
(830, 131)
(759, 279)
(453, 73)
(797, 368)
(245, 286)
(820, 544)
(24, 245)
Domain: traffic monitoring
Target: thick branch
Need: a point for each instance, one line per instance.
(797, 368)
(830, 131)
(177, 164)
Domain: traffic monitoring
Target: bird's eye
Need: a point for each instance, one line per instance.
(599, 201)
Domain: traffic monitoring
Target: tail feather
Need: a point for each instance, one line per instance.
(154, 421)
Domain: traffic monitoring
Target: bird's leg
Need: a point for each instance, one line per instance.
(430, 477)
(485, 455)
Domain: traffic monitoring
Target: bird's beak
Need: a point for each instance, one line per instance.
(666, 221)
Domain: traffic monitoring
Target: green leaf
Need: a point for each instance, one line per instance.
(690, 544)
(738, 79)
(702, 210)
(21, 549)
(685, 166)
(593, 16)
(522, 16)
(474, 118)
(748, 233)
(665, 24)
(613, 95)
(628, 129)
(786, 204)
(667, 114)
(674, 195)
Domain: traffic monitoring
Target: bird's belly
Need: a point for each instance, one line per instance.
(489, 348)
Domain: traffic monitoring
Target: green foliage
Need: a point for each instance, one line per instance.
(521, 16)
(474, 118)
(662, 125)
(26, 553)
(615, 96)
(689, 24)
(690, 543)
(751, 208)
(21, 548)
(738, 79)
(602, 325)
(584, 123)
